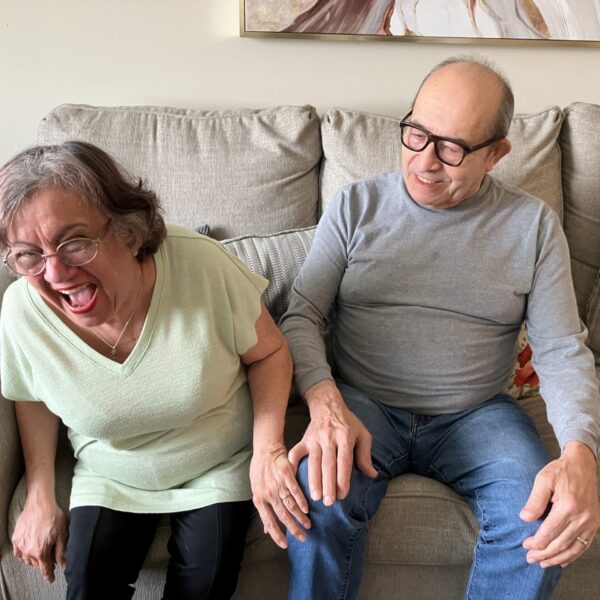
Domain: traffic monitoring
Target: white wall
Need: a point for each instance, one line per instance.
(188, 53)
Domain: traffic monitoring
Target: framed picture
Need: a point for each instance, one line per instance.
(570, 22)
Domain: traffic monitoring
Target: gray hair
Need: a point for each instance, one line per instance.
(134, 211)
(506, 109)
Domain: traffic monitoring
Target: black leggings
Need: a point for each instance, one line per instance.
(106, 551)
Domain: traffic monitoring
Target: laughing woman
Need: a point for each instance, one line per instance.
(150, 343)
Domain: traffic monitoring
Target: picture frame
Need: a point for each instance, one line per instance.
(524, 22)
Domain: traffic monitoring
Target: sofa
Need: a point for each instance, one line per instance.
(259, 179)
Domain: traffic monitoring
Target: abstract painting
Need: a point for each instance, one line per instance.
(575, 22)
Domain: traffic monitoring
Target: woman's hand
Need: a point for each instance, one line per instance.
(40, 537)
(277, 495)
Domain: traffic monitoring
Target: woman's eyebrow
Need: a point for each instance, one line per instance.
(60, 234)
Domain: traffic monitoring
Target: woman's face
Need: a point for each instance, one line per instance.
(89, 295)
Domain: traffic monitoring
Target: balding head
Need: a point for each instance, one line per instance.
(486, 82)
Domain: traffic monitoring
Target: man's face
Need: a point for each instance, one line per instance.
(452, 103)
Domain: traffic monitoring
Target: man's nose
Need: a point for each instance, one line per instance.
(428, 159)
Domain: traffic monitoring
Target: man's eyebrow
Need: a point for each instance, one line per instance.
(60, 234)
(444, 137)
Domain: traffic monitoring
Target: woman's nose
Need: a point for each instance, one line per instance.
(55, 269)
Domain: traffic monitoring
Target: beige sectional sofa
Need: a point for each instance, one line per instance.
(256, 174)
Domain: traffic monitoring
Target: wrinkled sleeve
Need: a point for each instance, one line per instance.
(313, 296)
(563, 362)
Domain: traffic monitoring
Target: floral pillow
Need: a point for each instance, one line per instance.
(524, 381)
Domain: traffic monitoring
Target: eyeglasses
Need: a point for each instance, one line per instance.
(75, 252)
(448, 151)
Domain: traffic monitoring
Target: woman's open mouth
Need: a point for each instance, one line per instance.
(79, 299)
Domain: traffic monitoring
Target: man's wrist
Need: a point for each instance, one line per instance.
(322, 392)
(578, 449)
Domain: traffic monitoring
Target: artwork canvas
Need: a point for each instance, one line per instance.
(479, 21)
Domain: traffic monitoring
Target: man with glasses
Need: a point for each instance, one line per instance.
(432, 271)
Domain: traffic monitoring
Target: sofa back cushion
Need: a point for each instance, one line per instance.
(242, 171)
(580, 171)
(358, 145)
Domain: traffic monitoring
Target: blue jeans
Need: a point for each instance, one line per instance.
(489, 455)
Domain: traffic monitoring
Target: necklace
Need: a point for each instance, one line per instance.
(113, 348)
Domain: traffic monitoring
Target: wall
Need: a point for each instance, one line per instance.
(188, 53)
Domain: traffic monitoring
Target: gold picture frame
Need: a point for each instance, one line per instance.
(520, 22)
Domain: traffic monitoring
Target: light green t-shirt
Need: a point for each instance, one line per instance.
(170, 428)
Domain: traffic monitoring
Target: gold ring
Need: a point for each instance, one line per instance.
(287, 495)
(582, 540)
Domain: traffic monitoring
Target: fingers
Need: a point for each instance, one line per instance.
(59, 551)
(345, 458)
(43, 562)
(298, 496)
(315, 474)
(563, 550)
(270, 525)
(364, 462)
(329, 472)
(538, 500)
(284, 509)
(296, 454)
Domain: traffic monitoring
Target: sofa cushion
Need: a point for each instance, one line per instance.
(593, 319)
(580, 167)
(358, 145)
(276, 257)
(205, 165)
(524, 381)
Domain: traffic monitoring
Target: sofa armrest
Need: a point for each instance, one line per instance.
(11, 462)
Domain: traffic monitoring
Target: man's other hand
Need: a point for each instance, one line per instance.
(570, 486)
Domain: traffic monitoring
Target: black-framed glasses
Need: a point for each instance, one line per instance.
(75, 252)
(450, 152)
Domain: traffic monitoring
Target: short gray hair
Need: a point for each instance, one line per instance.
(506, 109)
(134, 210)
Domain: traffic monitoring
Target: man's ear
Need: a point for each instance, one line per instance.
(499, 150)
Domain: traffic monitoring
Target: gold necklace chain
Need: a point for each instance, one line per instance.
(113, 348)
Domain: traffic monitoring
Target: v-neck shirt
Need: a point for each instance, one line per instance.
(170, 428)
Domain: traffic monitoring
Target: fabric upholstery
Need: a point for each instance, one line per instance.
(358, 145)
(580, 167)
(593, 318)
(277, 257)
(206, 165)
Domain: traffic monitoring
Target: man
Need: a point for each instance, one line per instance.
(432, 271)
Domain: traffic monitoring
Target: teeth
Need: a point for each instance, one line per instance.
(72, 290)
(425, 179)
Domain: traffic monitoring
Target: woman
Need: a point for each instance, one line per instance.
(150, 343)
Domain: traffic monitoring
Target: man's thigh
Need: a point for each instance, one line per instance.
(490, 455)
(389, 428)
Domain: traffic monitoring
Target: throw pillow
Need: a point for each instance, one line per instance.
(593, 319)
(203, 229)
(524, 381)
(278, 258)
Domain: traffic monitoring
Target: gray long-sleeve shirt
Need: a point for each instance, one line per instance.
(428, 303)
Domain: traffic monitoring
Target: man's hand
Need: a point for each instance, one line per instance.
(334, 439)
(40, 537)
(570, 484)
(277, 495)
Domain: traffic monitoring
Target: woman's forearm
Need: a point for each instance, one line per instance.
(270, 381)
(38, 430)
